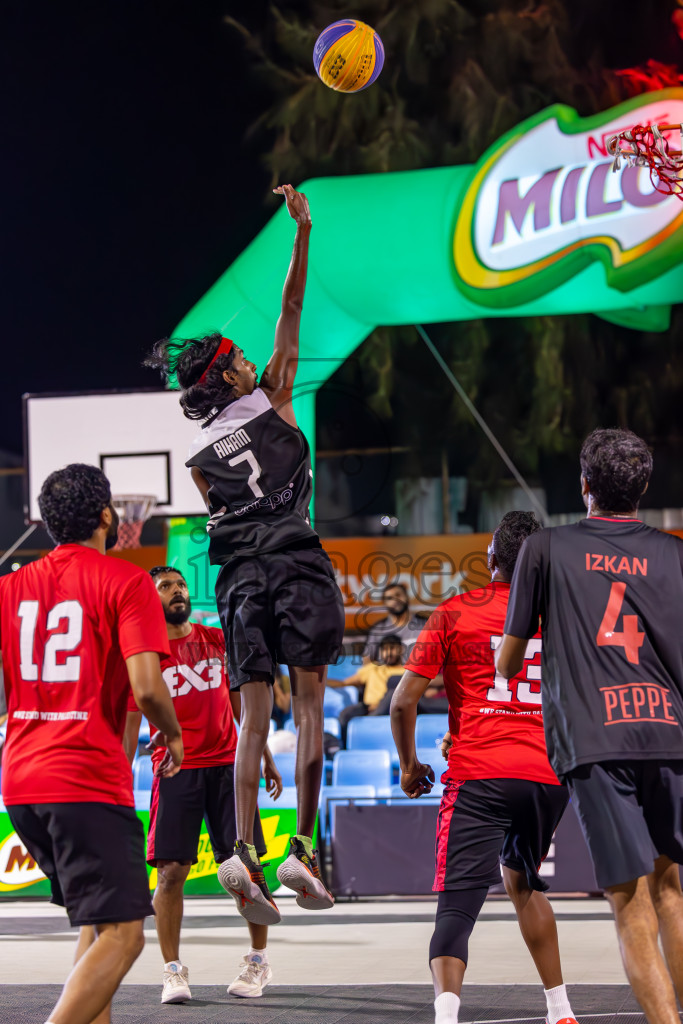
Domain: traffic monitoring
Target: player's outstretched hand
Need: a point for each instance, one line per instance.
(297, 203)
(417, 780)
(446, 744)
(273, 779)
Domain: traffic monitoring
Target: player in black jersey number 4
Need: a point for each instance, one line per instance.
(276, 593)
(609, 591)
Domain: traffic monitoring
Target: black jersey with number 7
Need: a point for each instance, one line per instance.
(609, 593)
(259, 471)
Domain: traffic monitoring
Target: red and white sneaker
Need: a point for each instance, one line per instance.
(244, 880)
(302, 874)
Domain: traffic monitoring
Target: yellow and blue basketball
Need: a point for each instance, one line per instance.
(348, 55)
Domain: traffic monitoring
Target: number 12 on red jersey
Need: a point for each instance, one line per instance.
(67, 671)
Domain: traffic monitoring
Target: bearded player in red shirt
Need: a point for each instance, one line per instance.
(502, 801)
(78, 631)
(204, 788)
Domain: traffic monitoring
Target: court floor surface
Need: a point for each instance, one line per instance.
(334, 1004)
(366, 958)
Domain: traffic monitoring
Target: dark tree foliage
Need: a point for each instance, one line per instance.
(457, 76)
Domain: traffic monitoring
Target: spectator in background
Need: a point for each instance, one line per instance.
(399, 622)
(378, 679)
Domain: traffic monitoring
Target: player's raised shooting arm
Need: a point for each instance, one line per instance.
(278, 377)
(153, 699)
(510, 656)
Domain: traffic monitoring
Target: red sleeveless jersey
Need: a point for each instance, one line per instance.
(496, 724)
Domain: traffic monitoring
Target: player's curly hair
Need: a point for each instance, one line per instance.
(508, 537)
(71, 501)
(184, 361)
(617, 465)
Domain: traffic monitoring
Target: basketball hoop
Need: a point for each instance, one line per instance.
(645, 146)
(133, 511)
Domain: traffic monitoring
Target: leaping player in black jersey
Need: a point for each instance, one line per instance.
(609, 592)
(276, 593)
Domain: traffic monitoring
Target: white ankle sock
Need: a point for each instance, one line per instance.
(446, 1008)
(173, 963)
(558, 1003)
(260, 955)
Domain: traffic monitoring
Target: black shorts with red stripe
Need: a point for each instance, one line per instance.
(484, 823)
(176, 810)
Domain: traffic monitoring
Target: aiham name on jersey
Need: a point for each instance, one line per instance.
(231, 443)
(612, 563)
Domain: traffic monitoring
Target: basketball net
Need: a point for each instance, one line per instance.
(646, 146)
(133, 511)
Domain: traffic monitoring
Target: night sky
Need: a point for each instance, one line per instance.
(128, 185)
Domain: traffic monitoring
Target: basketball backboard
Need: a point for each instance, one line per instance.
(140, 440)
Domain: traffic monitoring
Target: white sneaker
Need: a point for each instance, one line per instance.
(176, 985)
(252, 979)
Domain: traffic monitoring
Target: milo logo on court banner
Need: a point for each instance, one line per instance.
(17, 866)
(543, 204)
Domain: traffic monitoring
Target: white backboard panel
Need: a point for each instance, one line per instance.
(140, 439)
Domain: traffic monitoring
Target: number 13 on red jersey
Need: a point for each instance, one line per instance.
(504, 689)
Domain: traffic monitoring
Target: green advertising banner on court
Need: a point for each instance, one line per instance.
(21, 876)
(539, 226)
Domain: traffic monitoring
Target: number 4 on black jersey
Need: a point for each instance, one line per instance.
(610, 596)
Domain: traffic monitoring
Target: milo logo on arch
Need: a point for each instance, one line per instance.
(544, 204)
(17, 867)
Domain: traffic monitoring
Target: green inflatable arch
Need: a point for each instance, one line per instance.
(540, 225)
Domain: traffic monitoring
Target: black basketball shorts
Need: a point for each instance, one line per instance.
(484, 823)
(281, 607)
(631, 812)
(176, 810)
(93, 855)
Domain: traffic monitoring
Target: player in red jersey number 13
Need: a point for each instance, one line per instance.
(501, 801)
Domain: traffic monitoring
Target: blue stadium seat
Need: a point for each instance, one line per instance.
(143, 734)
(372, 732)
(333, 726)
(286, 799)
(142, 799)
(430, 729)
(285, 764)
(334, 701)
(344, 667)
(332, 797)
(351, 693)
(432, 755)
(362, 768)
(330, 724)
(143, 773)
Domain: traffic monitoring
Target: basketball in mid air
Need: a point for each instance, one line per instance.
(348, 55)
